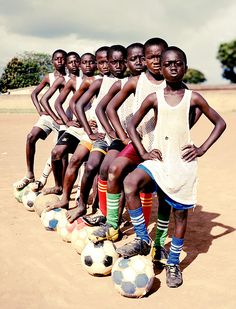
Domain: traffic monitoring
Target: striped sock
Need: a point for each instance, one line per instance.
(46, 171)
(146, 201)
(161, 232)
(113, 201)
(138, 221)
(102, 195)
(175, 249)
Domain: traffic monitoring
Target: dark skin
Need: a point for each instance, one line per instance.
(81, 153)
(37, 133)
(173, 69)
(117, 68)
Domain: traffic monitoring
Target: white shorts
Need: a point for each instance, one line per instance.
(47, 124)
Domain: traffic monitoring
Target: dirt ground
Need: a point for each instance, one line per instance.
(39, 270)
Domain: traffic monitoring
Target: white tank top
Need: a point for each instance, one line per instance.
(125, 111)
(107, 82)
(52, 100)
(146, 127)
(177, 178)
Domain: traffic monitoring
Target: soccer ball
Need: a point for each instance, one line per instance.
(99, 258)
(65, 229)
(80, 237)
(51, 218)
(42, 201)
(28, 198)
(19, 193)
(134, 276)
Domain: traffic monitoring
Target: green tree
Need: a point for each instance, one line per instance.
(227, 56)
(193, 76)
(25, 70)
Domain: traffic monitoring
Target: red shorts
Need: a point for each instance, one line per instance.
(131, 153)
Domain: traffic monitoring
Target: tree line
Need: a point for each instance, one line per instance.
(29, 68)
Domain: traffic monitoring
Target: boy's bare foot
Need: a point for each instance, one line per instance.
(75, 213)
(53, 190)
(59, 204)
(20, 184)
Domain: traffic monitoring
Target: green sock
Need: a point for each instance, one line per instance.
(162, 224)
(113, 201)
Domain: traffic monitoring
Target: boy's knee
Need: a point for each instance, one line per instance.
(91, 168)
(56, 154)
(31, 138)
(129, 185)
(114, 172)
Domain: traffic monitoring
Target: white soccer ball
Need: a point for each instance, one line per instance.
(51, 218)
(28, 198)
(65, 229)
(134, 276)
(19, 193)
(80, 237)
(99, 258)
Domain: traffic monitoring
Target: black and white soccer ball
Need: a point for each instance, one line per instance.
(134, 276)
(99, 258)
(29, 197)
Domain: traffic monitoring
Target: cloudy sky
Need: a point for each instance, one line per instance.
(198, 27)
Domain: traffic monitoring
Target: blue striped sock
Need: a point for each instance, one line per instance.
(175, 249)
(138, 221)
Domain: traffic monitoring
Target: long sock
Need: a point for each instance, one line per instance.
(175, 250)
(138, 221)
(102, 193)
(113, 201)
(146, 201)
(46, 171)
(163, 217)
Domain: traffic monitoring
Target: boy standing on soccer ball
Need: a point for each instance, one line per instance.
(171, 166)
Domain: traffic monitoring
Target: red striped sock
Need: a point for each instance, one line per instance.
(102, 195)
(146, 201)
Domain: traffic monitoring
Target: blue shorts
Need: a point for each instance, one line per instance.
(167, 199)
(100, 145)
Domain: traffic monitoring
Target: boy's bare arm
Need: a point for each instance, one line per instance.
(102, 105)
(34, 95)
(190, 152)
(115, 104)
(150, 102)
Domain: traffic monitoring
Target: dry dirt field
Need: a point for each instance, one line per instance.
(39, 270)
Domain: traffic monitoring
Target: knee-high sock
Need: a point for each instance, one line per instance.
(163, 217)
(102, 195)
(146, 201)
(139, 225)
(113, 201)
(175, 250)
(46, 171)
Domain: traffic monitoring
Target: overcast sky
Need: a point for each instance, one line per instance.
(196, 26)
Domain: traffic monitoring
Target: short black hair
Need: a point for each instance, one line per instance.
(155, 41)
(88, 54)
(119, 48)
(135, 45)
(62, 51)
(73, 53)
(101, 49)
(178, 50)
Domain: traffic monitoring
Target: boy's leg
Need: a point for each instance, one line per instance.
(173, 272)
(159, 254)
(77, 159)
(133, 184)
(35, 134)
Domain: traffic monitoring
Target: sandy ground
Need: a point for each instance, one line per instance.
(39, 270)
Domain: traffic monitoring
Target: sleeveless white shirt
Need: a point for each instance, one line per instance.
(176, 177)
(146, 127)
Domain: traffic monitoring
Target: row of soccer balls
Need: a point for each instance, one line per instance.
(132, 277)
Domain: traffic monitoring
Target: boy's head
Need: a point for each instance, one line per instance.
(73, 62)
(88, 64)
(153, 49)
(59, 59)
(173, 64)
(102, 61)
(135, 58)
(117, 55)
